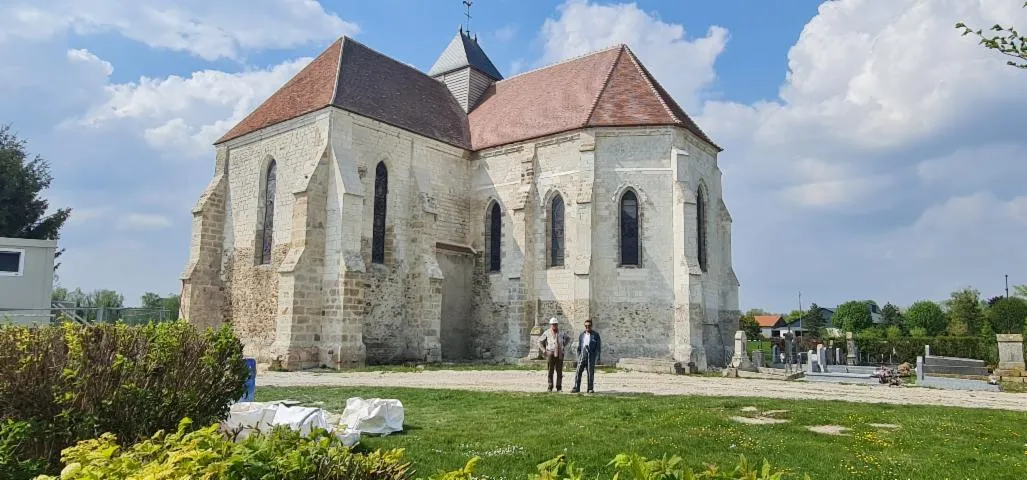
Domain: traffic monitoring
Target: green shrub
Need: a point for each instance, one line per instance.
(73, 382)
(15, 463)
(636, 467)
(906, 349)
(207, 453)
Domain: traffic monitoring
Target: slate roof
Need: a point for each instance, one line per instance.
(355, 78)
(606, 88)
(464, 51)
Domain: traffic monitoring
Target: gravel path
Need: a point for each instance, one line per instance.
(635, 382)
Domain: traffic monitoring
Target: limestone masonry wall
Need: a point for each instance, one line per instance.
(322, 301)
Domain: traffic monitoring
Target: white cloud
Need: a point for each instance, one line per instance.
(185, 115)
(886, 168)
(207, 29)
(505, 34)
(143, 221)
(583, 27)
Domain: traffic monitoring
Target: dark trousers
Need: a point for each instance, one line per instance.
(587, 361)
(555, 365)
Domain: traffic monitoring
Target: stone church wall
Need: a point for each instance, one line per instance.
(253, 288)
(434, 298)
(402, 298)
(634, 305)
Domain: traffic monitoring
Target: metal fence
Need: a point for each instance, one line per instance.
(84, 315)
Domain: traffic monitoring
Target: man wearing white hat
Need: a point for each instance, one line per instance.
(554, 343)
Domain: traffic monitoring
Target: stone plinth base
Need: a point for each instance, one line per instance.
(652, 365)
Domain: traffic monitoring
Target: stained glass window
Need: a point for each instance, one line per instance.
(700, 218)
(267, 239)
(495, 237)
(381, 191)
(556, 243)
(629, 248)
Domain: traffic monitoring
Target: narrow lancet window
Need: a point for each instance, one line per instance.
(381, 192)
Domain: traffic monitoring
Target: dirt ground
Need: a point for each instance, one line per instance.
(635, 382)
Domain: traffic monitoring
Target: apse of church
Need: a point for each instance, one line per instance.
(371, 213)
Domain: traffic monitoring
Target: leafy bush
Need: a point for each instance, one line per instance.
(635, 467)
(73, 382)
(906, 349)
(15, 464)
(1007, 315)
(207, 453)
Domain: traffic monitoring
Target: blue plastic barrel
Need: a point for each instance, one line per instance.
(251, 381)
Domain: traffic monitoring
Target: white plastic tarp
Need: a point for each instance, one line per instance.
(248, 417)
(373, 415)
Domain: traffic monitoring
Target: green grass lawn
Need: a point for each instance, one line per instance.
(513, 432)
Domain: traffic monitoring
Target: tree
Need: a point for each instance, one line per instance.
(891, 316)
(1020, 291)
(1007, 315)
(965, 313)
(749, 325)
(1008, 42)
(170, 305)
(853, 316)
(813, 320)
(927, 316)
(21, 180)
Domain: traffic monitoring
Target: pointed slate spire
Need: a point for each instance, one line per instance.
(464, 51)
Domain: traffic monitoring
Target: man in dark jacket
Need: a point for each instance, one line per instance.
(589, 345)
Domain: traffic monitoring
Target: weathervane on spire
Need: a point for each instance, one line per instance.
(467, 14)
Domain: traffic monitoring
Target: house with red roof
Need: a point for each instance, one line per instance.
(368, 212)
(770, 325)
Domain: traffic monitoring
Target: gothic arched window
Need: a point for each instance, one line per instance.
(629, 245)
(556, 242)
(700, 228)
(268, 229)
(494, 237)
(381, 191)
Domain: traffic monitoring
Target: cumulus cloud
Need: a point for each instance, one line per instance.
(583, 26)
(206, 29)
(143, 221)
(185, 115)
(883, 169)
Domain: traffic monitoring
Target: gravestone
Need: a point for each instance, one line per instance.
(757, 359)
(1010, 353)
(838, 356)
(927, 350)
(775, 354)
(822, 357)
(850, 343)
(740, 359)
(810, 362)
(919, 368)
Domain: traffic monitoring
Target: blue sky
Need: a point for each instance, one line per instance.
(870, 151)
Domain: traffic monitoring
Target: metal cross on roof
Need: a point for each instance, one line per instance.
(468, 15)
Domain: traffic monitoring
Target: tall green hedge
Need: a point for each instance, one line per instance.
(70, 382)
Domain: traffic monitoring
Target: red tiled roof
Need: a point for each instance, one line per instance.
(312, 88)
(767, 321)
(355, 78)
(607, 88)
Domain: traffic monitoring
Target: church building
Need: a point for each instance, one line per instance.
(370, 213)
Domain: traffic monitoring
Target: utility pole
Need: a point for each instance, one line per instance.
(1007, 285)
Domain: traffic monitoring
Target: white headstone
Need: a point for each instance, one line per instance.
(1010, 351)
(740, 359)
(919, 368)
